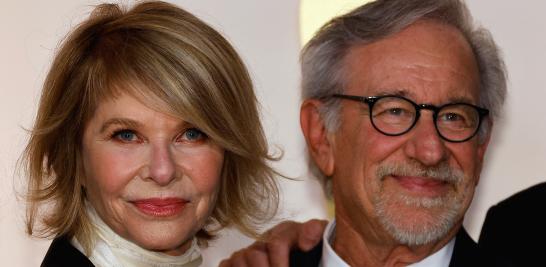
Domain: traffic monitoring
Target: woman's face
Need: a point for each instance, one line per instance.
(151, 177)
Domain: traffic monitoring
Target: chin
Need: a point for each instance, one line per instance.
(165, 237)
(417, 221)
(172, 247)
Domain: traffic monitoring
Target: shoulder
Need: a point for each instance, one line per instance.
(523, 202)
(514, 225)
(62, 253)
(310, 258)
(466, 253)
(517, 216)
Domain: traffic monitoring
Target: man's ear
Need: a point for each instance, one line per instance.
(315, 133)
(483, 142)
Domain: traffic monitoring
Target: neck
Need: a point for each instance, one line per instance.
(113, 250)
(359, 248)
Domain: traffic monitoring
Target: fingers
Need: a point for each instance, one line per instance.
(275, 245)
(311, 233)
(289, 235)
(225, 263)
(280, 240)
(279, 252)
(254, 255)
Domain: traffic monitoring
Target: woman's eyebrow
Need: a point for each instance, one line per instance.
(119, 121)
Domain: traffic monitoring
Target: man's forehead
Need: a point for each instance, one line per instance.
(426, 59)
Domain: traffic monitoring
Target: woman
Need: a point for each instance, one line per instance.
(147, 140)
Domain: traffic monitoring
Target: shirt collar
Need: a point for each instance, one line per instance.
(329, 256)
(440, 258)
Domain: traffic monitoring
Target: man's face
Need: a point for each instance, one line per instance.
(414, 188)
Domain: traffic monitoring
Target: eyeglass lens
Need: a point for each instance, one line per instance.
(395, 116)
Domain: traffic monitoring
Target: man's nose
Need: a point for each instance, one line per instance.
(162, 166)
(425, 144)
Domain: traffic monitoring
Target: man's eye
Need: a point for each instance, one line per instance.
(125, 136)
(395, 111)
(193, 135)
(456, 121)
(452, 117)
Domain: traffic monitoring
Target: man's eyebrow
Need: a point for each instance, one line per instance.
(129, 123)
(394, 91)
(461, 99)
(408, 94)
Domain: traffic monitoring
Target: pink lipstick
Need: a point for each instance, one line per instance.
(160, 207)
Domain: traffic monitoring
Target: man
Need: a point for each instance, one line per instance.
(399, 98)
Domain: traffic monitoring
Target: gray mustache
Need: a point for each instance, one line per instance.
(441, 172)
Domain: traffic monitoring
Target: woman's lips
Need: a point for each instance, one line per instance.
(160, 207)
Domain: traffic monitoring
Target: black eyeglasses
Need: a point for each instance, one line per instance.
(395, 115)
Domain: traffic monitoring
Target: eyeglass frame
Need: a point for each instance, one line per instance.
(371, 100)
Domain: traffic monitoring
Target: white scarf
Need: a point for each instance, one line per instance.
(112, 250)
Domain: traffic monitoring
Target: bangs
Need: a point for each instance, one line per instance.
(193, 74)
(166, 75)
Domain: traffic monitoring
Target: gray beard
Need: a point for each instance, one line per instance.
(418, 232)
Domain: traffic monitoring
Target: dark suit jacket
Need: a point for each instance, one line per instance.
(516, 228)
(61, 253)
(465, 254)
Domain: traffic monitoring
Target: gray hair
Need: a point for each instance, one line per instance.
(322, 58)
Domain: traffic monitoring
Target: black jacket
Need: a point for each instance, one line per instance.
(61, 253)
(515, 229)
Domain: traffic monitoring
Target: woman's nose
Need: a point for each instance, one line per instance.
(162, 165)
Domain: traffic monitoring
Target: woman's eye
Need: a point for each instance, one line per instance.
(125, 136)
(193, 135)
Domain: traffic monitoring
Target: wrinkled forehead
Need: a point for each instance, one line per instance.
(427, 61)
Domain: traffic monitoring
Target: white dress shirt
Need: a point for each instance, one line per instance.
(440, 258)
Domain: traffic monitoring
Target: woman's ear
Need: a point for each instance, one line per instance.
(316, 136)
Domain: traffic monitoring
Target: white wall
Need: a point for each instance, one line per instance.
(266, 35)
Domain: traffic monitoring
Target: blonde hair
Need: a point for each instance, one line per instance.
(173, 62)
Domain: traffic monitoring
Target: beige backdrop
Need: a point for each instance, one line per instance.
(266, 35)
